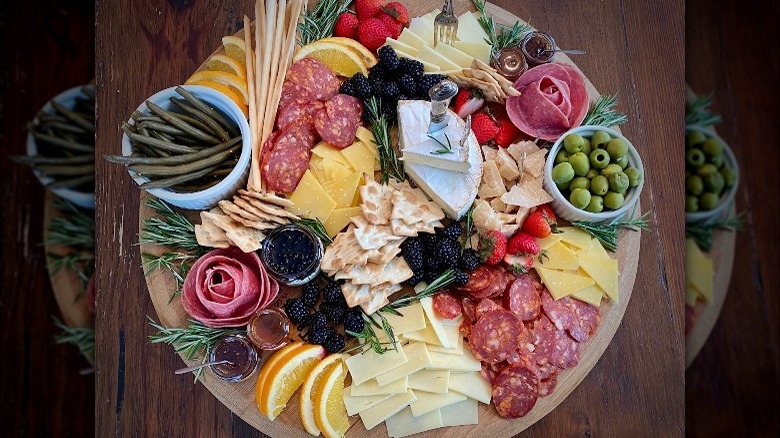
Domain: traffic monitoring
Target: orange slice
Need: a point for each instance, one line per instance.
(285, 377)
(368, 58)
(340, 59)
(330, 413)
(312, 385)
(226, 64)
(227, 91)
(271, 362)
(235, 48)
(234, 82)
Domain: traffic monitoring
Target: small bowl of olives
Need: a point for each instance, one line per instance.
(594, 174)
(711, 175)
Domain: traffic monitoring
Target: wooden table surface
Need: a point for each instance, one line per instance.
(48, 46)
(733, 386)
(638, 383)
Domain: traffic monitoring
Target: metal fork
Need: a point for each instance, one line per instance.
(445, 26)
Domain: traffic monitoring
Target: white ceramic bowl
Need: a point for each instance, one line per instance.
(727, 198)
(82, 199)
(563, 207)
(235, 180)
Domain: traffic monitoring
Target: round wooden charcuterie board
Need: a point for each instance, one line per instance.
(722, 254)
(240, 397)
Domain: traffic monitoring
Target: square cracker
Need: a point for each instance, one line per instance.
(266, 207)
(344, 251)
(412, 206)
(212, 237)
(379, 299)
(371, 236)
(368, 273)
(267, 197)
(246, 239)
(376, 205)
(492, 185)
(356, 294)
(527, 194)
(257, 212)
(387, 252)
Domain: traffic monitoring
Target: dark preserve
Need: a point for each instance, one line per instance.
(292, 254)
(538, 48)
(241, 355)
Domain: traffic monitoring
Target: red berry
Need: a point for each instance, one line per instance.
(368, 8)
(467, 102)
(372, 33)
(397, 11)
(550, 214)
(522, 243)
(346, 26)
(507, 132)
(492, 247)
(395, 27)
(537, 225)
(519, 264)
(484, 127)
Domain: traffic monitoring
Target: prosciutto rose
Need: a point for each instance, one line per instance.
(552, 100)
(226, 287)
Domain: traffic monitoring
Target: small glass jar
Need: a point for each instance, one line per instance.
(269, 329)
(292, 254)
(242, 356)
(510, 63)
(538, 48)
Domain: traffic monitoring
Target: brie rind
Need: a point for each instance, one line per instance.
(417, 145)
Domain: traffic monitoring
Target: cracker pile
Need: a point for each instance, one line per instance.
(242, 221)
(511, 185)
(365, 254)
(494, 87)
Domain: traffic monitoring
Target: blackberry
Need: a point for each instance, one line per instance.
(469, 260)
(296, 310)
(461, 278)
(388, 58)
(430, 276)
(390, 110)
(377, 72)
(353, 321)
(431, 263)
(429, 242)
(332, 293)
(453, 229)
(318, 320)
(417, 277)
(426, 83)
(412, 253)
(334, 343)
(348, 88)
(367, 117)
(361, 85)
(411, 67)
(407, 84)
(448, 255)
(377, 85)
(318, 335)
(333, 312)
(310, 294)
(390, 89)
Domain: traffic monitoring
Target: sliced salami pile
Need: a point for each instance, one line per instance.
(225, 287)
(521, 335)
(310, 108)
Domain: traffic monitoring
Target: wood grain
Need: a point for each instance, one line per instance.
(733, 386)
(620, 380)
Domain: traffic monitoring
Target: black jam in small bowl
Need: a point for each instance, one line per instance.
(241, 355)
(538, 48)
(292, 254)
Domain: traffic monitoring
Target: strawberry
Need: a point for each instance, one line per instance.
(346, 26)
(522, 243)
(394, 26)
(468, 102)
(484, 127)
(397, 11)
(537, 225)
(366, 9)
(548, 211)
(519, 264)
(372, 33)
(507, 132)
(492, 247)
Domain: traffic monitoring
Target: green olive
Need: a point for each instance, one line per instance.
(600, 139)
(613, 200)
(580, 182)
(707, 169)
(563, 187)
(562, 156)
(695, 137)
(695, 185)
(599, 185)
(562, 173)
(617, 147)
(634, 176)
(599, 158)
(717, 161)
(586, 148)
(708, 200)
(610, 169)
(580, 163)
(592, 173)
(712, 147)
(691, 203)
(580, 198)
(596, 204)
(714, 182)
(688, 173)
(573, 143)
(695, 158)
(622, 161)
(729, 177)
(618, 182)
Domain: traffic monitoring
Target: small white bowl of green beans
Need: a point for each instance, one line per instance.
(711, 175)
(189, 145)
(600, 196)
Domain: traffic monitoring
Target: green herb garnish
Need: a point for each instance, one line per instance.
(469, 227)
(81, 337)
(172, 229)
(445, 148)
(698, 113)
(443, 280)
(75, 229)
(603, 113)
(607, 232)
(388, 161)
(369, 338)
(318, 23)
(316, 227)
(702, 232)
(499, 36)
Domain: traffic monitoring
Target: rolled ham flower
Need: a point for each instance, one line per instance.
(225, 287)
(553, 99)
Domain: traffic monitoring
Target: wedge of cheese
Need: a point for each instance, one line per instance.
(478, 50)
(398, 45)
(563, 283)
(430, 55)
(469, 29)
(411, 39)
(456, 56)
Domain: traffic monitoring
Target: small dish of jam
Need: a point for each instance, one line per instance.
(538, 48)
(241, 356)
(292, 254)
(269, 329)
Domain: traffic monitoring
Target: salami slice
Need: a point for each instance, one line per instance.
(547, 386)
(286, 156)
(478, 279)
(446, 305)
(553, 346)
(489, 373)
(566, 351)
(337, 123)
(486, 306)
(523, 299)
(299, 134)
(580, 319)
(515, 391)
(315, 77)
(298, 111)
(294, 93)
(494, 337)
(469, 310)
(559, 311)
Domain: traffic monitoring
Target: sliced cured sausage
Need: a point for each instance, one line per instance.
(566, 351)
(494, 337)
(478, 279)
(446, 305)
(285, 156)
(337, 123)
(486, 305)
(523, 299)
(315, 77)
(515, 391)
(559, 311)
(296, 111)
(294, 93)
(580, 319)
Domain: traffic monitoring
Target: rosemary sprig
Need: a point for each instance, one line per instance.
(469, 227)
(603, 112)
(388, 161)
(445, 148)
(319, 22)
(699, 113)
(172, 229)
(369, 338)
(607, 232)
(75, 229)
(80, 262)
(702, 232)
(316, 227)
(499, 36)
(81, 337)
(432, 289)
(178, 264)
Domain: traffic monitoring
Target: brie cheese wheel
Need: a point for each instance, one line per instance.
(453, 191)
(440, 149)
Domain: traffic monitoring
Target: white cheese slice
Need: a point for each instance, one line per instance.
(436, 381)
(366, 366)
(454, 55)
(413, 319)
(356, 405)
(453, 191)
(559, 256)
(398, 45)
(423, 27)
(453, 334)
(472, 385)
(451, 362)
(417, 358)
(385, 409)
(427, 335)
(428, 54)
(460, 414)
(435, 323)
(411, 39)
(478, 50)
(404, 423)
(370, 388)
(417, 146)
(427, 66)
(427, 401)
(469, 29)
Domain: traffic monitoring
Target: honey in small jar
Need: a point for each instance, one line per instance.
(510, 63)
(269, 329)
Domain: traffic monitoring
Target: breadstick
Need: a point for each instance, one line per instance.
(279, 31)
(286, 54)
(254, 163)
